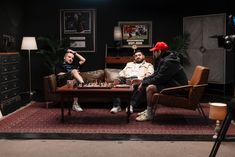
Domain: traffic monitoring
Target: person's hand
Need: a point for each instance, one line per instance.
(115, 82)
(71, 51)
(136, 81)
(139, 87)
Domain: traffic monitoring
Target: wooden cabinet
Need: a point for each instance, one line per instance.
(116, 57)
(9, 79)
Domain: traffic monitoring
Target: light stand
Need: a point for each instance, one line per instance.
(29, 43)
(117, 36)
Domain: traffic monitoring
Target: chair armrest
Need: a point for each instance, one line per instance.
(176, 89)
(200, 85)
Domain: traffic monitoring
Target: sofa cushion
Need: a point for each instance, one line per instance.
(91, 76)
(111, 74)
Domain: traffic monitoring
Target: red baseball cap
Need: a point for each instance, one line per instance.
(159, 46)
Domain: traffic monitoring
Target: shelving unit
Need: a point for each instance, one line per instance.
(118, 56)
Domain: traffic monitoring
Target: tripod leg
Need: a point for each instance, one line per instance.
(221, 135)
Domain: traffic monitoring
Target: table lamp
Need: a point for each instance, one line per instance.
(117, 36)
(217, 112)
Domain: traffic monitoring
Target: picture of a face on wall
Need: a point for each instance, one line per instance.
(77, 22)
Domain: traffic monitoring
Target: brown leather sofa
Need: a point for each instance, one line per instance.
(107, 74)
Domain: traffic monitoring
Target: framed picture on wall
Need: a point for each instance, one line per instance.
(136, 33)
(78, 26)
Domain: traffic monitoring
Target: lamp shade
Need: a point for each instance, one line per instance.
(217, 111)
(117, 33)
(29, 43)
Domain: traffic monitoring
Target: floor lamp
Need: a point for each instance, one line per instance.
(29, 43)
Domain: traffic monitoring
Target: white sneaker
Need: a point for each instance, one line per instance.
(131, 109)
(144, 117)
(77, 107)
(143, 112)
(115, 109)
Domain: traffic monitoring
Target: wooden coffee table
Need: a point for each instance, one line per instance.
(87, 92)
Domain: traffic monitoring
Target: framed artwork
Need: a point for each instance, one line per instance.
(137, 33)
(78, 26)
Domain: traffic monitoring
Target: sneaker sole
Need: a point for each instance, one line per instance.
(115, 111)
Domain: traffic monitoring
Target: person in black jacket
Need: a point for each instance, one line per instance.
(169, 73)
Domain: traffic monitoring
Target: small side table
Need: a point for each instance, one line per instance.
(217, 112)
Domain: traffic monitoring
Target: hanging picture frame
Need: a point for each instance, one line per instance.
(78, 26)
(137, 33)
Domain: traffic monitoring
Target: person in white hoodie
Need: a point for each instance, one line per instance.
(136, 70)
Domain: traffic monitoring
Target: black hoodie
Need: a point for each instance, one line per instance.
(169, 72)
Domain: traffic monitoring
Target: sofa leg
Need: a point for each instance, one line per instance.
(47, 103)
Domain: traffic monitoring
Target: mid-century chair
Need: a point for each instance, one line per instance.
(173, 97)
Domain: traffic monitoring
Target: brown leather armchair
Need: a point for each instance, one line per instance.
(173, 97)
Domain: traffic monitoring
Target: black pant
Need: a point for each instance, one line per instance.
(137, 95)
(62, 79)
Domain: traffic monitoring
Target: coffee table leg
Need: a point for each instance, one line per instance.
(128, 113)
(62, 108)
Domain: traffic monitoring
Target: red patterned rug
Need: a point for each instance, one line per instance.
(35, 121)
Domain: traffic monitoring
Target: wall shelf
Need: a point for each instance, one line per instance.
(121, 56)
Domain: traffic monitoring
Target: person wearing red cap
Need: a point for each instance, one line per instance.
(169, 73)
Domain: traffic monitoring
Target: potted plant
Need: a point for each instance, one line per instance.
(180, 45)
(52, 51)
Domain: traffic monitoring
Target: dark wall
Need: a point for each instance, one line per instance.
(11, 17)
(41, 18)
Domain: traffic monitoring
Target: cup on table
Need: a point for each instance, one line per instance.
(70, 83)
(128, 81)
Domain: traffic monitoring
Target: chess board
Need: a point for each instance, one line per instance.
(95, 86)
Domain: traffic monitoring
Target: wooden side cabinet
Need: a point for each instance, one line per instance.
(9, 81)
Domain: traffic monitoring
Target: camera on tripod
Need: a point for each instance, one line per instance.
(227, 41)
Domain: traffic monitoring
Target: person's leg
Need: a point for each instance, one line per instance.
(116, 105)
(149, 94)
(137, 95)
(62, 79)
(76, 106)
(147, 114)
(77, 76)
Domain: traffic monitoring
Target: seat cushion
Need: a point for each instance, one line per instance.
(91, 76)
(111, 74)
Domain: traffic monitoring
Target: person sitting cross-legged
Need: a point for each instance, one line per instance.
(68, 70)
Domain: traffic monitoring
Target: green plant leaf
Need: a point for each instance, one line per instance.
(180, 44)
(52, 51)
